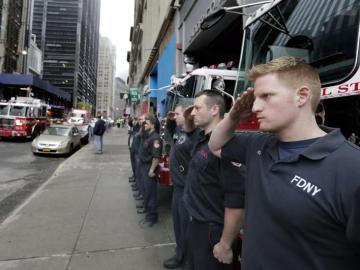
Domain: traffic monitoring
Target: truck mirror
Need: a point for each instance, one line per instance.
(218, 84)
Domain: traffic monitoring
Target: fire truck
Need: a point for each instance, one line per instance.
(325, 34)
(23, 117)
(220, 79)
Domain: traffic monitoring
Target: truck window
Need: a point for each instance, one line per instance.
(169, 101)
(188, 89)
(44, 111)
(199, 83)
(4, 109)
(17, 111)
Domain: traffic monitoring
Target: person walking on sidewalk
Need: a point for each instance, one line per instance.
(180, 156)
(214, 192)
(303, 185)
(149, 155)
(99, 131)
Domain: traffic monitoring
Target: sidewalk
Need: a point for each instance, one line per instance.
(84, 217)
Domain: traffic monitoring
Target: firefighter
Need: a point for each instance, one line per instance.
(303, 188)
(214, 192)
(135, 148)
(149, 156)
(179, 159)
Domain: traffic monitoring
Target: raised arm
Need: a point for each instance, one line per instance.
(189, 119)
(225, 129)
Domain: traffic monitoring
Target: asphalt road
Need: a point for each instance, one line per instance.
(21, 173)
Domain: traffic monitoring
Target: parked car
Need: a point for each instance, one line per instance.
(57, 139)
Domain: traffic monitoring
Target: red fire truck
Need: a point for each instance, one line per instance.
(23, 117)
(326, 35)
(186, 88)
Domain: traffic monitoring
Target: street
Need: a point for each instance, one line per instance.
(21, 173)
(84, 217)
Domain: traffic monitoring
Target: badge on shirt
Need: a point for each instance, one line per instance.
(156, 144)
(181, 139)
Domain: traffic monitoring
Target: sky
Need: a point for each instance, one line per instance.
(117, 16)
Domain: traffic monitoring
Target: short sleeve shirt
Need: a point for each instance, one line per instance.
(150, 147)
(303, 211)
(212, 184)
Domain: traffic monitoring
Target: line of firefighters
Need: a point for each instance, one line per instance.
(206, 189)
(301, 179)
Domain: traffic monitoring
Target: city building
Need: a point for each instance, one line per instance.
(106, 78)
(152, 56)
(20, 57)
(12, 37)
(67, 32)
(121, 98)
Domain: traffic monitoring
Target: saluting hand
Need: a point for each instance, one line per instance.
(222, 253)
(243, 105)
(151, 174)
(187, 113)
(171, 115)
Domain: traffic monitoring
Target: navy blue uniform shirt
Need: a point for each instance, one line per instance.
(135, 145)
(180, 156)
(150, 147)
(212, 184)
(302, 212)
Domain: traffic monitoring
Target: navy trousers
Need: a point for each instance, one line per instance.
(138, 175)
(181, 223)
(202, 239)
(150, 193)
(133, 161)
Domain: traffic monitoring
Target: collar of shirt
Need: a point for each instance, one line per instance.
(203, 136)
(318, 150)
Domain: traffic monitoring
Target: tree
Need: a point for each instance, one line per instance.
(84, 106)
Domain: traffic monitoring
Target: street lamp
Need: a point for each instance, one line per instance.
(24, 61)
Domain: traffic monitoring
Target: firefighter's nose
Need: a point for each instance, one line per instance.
(256, 106)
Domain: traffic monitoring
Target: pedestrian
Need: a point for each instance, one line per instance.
(149, 154)
(303, 185)
(180, 156)
(214, 191)
(99, 131)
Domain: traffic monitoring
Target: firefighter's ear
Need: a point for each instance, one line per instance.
(303, 94)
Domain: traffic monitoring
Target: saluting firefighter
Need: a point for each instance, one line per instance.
(149, 155)
(180, 156)
(214, 191)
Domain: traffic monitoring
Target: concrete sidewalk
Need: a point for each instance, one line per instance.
(84, 217)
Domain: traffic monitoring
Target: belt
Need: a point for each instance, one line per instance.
(195, 221)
